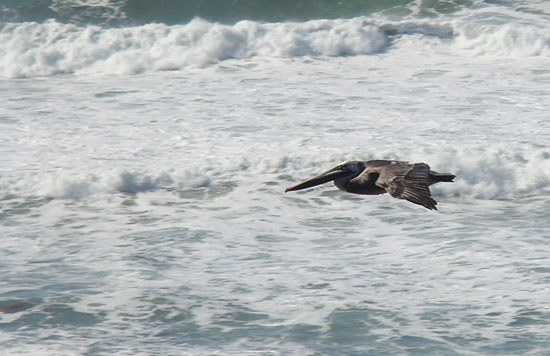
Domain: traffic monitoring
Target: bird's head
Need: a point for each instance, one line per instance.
(341, 173)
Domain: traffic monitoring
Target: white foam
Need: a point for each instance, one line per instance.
(491, 173)
(506, 40)
(43, 49)
(33, 49)
(83, 183)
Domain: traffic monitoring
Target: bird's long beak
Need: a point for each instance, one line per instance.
(328, 176)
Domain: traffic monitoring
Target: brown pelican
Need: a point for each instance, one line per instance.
(402, 180)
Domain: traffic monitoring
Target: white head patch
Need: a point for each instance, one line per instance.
(351, 165)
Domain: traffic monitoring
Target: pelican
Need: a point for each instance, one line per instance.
(401, 179)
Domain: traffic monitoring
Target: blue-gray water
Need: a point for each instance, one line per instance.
(140, 12)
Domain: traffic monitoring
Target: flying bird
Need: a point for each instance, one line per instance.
(402, 180)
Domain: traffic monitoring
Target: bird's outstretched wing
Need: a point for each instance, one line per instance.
(407, 181)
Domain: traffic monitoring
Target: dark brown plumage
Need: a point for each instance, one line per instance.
(400, 179)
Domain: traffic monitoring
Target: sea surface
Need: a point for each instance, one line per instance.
(145, 147)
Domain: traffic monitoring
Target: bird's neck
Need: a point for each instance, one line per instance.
(363, 186)
(341, 183)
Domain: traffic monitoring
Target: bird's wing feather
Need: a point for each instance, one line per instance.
(407, 181)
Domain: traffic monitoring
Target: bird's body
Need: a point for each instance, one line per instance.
(402, 180)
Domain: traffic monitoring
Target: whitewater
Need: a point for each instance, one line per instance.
(144, 161)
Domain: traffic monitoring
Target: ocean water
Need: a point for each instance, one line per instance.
(145, 148)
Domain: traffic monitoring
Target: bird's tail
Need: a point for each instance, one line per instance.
(441, 177)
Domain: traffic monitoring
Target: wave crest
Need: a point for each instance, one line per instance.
(490, 173)
(493, 172)
(33, 49)
(505, 40)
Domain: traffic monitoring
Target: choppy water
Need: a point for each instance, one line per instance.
(143, 167)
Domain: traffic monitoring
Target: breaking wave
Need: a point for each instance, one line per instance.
(33, 49)
(43, 49)
(494, 173)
